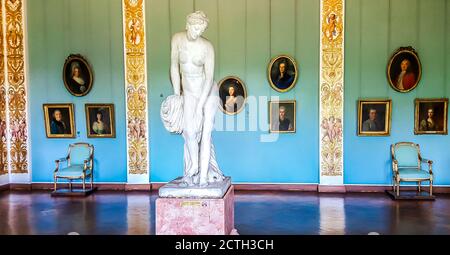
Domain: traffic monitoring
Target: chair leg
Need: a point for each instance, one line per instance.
(84, 184)
(70, 185)
(92, 182)
(418, 185)
(398, 189)
(431, 188)
(54, 184)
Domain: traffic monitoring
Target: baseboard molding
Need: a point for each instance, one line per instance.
(262, 187)
(276, 187)
(138, 187)
(4, 187)
(238, 187)
(99, 186)
(20, 186)
(331, 188)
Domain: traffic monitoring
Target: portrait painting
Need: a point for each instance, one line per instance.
(283, 73)
(100, 121)
(77, 75)
(59, 120)
(282, 116)
(233, 94)
(404, 70)
(374, 117)
(430, 116)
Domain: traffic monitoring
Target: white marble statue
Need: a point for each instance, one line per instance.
(191, 110)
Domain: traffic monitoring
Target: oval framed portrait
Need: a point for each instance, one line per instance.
(77, 75)
(233, 95)
(282, 73)
(404, 70)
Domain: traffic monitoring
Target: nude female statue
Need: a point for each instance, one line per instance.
(192, 109)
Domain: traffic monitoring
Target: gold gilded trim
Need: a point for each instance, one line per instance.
(331, 87)
(3, 89)
(136, 87)
(17, 94)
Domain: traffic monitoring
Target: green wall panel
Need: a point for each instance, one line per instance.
(246, 34)
(56, 29)
(374, 30)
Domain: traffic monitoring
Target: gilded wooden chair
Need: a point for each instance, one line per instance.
(80, 165)
(407, 166)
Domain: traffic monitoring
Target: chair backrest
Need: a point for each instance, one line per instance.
(407, 154)
(79, 152)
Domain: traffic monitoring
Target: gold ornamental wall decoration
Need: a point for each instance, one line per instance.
(136, 87)
(3, 89)
(16, 88)
(331, 90)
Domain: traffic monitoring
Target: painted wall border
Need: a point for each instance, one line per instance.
(136, 91)
(331, 84)
(4, 152)
(16, 81)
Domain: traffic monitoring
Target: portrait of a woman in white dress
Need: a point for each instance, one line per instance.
(232, 94)
(100, 120)
(77, 75)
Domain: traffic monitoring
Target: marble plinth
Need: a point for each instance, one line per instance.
(195, 216)
(177, 189)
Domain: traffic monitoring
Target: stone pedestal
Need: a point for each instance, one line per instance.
(195, 216)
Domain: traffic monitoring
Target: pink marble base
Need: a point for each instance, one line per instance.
(186, 216)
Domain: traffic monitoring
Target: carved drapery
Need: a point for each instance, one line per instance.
(136, 86)
(331, 88)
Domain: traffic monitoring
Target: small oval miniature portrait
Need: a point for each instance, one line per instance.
(404, 70)
(233, 94)
(77, 75)
(283, 73)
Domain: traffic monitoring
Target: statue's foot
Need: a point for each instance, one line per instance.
(186, 181)
(195, 180)
(203, 182)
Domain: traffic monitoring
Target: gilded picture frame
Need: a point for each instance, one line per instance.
(233, 95)
(289, 70)
(431, 116)
(77, 75)
(374, 117)
(404, 70)
(59, 120)
(287, 108)
(100, 121)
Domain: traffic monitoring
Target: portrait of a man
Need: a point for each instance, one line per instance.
(232, 93)
(100, 120)
(282, 116)
(283, 73)
(374, 117)
(404, 70)
(77, 75)
(431, 116)
(59, 120)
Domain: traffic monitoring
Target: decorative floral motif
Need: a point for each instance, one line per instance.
(3, 89)
(136, 88)
(13, 91)
(332, 88)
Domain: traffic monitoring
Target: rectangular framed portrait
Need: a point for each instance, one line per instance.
(282, 116)
(374, 117)
(430, 116)
(100, 121)
(59, 120)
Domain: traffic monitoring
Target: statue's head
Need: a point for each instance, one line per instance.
(196, 24)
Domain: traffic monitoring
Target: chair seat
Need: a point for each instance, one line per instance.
(413, 173)
(71, 171)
